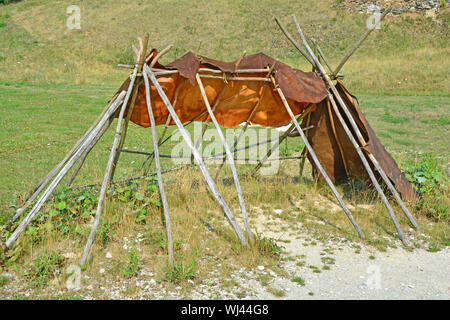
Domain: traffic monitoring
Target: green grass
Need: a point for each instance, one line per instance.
(35, 35)
(68, 77)
(44, 266)
(299, 280)
(3, 281)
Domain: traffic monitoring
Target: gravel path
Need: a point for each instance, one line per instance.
(336, 269)
(394, 274)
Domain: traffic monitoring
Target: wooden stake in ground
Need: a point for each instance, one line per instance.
(106, 178)
(62, 173)
(316, 160)
(212, 186)
(229, 158)
(349, 134)
(158, 171)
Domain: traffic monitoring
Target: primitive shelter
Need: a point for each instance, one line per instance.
(253, 89)
(301, 89)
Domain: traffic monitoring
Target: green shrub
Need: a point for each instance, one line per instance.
(8, 1)
(180, 271)
(267, 246)
(44, 267)
(427, 178)
(132, 264)
(299, 280)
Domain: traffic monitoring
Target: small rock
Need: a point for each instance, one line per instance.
(102, 271)
(278, 211)
(108, 255)
(260, 268)
(153, 282)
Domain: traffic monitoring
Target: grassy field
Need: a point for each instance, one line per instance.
(40, 123)
(54, 82)
(409, 54)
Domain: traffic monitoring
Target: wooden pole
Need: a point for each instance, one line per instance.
(33, 193)
(293, 41)
(89, 149)
(108, 172)
(166, 126)
(208, 119)
(212, 186)
(61, 174)
(140, 63)
(238, 62)
(321, 54)
(304, 151)
(247, 123)
(349, 134)
(316, 160)
(277, 143)
(360, 41)
(333, 127)
(233, 78)
(158, 171)
(160, 54)
(229, 158)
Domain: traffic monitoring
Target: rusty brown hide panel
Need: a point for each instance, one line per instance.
(324, 144)
(347, 164)
(240, 97)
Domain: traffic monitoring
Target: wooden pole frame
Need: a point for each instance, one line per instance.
(140, 62)
(304, 151)
(9, 242)
(316, 160)
(349, 134)
(210, 182)
(284, 136)
(358, 44)
(229, 158)
(158, 171)
(109, 169)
